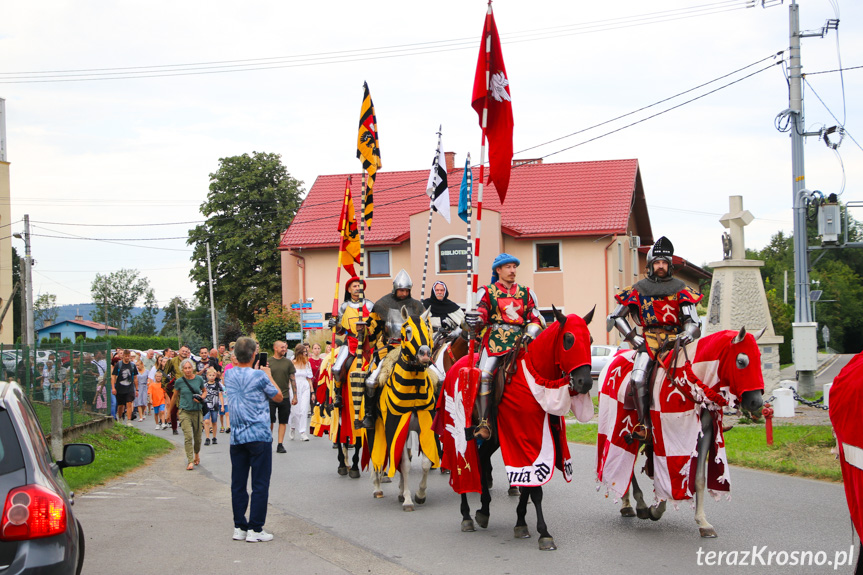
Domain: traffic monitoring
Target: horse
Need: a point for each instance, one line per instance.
(550, 376)
(342, 429)
(687, 445)
(406, 405)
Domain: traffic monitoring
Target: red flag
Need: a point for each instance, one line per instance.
(497, 99)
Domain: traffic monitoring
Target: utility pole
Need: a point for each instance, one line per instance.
(805, 330)
(30, 334)
(177, 317)
(212, 305)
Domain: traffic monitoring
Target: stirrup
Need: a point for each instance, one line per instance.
(640, 433)
(483, 424)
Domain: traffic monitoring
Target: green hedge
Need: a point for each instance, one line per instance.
(140, 342)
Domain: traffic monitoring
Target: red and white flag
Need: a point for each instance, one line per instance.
(491, 91)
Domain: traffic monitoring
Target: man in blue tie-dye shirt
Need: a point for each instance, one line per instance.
(251, 441)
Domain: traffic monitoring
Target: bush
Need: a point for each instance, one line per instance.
(139, 342)
(271, 324)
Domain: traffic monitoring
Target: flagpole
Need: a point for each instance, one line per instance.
(472, 303)
(363, 270)
(426, 261)
(469, 247)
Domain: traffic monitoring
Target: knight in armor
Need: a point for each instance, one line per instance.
(509, 310)
(350, 325)
(664, 307)
(386, 328)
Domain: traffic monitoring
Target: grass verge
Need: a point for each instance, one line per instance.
(43, 412)
(119, 449)
(802, 450)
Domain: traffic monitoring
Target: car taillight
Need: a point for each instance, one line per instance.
(32, 512)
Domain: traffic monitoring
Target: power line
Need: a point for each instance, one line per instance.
(362, 54)
(832, 71)
(831, 113)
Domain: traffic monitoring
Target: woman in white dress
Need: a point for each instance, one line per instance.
(299, 418)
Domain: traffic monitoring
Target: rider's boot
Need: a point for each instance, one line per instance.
(372, 409)
(643, 431)
(488, 366)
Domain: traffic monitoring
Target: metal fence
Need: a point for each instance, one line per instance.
(78, 374)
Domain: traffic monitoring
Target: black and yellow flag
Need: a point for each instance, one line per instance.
(368, 149)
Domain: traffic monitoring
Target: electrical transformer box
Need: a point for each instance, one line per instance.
(829, 224)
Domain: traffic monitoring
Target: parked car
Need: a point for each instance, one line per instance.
(38, 529)
(599, 356)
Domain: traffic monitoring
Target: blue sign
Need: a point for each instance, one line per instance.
(314, 325)
(294, 336)
(301, 306)
(312, 316)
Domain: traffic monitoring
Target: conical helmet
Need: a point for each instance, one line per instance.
(402, 281)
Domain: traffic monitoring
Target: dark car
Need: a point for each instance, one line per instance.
(38, 529)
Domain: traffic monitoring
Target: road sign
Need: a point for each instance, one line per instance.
(825, 333)
(313, 325)
(294, 336)
(301, 306)
(312, 316)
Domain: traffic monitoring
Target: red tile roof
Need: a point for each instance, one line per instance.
(544, 200)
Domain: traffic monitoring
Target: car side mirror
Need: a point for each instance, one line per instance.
(77, 454)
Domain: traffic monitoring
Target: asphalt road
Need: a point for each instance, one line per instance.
(326, 523)
(827, 374)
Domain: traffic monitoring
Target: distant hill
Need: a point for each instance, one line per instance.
(65, 312)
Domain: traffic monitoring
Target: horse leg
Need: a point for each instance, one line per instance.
(704, 528)
(546, 541)
(467, 525)
(512, 491)
(641, 509)
(376, 482)
(354, 472)
(426, 465)
(343, 469)
(483, 513)
(626, 509)
(520, 530)
(404, 476)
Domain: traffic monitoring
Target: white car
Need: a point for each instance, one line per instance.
(600, 355)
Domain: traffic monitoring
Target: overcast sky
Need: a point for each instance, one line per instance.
(139, 151)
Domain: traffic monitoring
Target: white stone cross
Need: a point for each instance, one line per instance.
(735, 220)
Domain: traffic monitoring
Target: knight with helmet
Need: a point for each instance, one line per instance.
(386, 328)
(509, 310)
(664, 307)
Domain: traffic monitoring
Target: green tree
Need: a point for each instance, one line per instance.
(272, 324)
(118, 293)
(145, 322)
(252, 200)
(169, 325)
(44, 309)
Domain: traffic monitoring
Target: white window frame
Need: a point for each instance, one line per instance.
(368, 262)
(536, 269)
(437, 253)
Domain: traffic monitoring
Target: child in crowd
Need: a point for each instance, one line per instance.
(225, 415)
(140, 403)
(157, 398)
(214, 403)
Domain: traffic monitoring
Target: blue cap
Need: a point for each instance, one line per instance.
(501, 260)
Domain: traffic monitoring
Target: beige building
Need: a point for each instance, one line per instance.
(576, 227)
(6, 327)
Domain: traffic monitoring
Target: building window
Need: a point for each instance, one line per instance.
(548, 257)
(620, 257)
(80, 334)
(548, 315)
(452, 255)
(55, 335)
(379, 263)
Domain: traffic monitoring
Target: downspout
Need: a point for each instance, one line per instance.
(301, 263)
(607, 308)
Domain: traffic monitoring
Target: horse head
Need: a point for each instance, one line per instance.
(416, 340)
(740, 369)
(564, 348)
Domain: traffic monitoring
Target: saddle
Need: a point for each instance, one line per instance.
(668, 348)
(507, 368)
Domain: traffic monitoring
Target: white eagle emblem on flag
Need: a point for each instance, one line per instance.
(498, 87)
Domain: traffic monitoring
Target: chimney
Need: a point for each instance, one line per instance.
(46, 322)
(79, 318)
(526, 161)
(450, 161)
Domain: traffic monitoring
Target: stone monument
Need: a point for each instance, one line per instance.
(737, 297)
